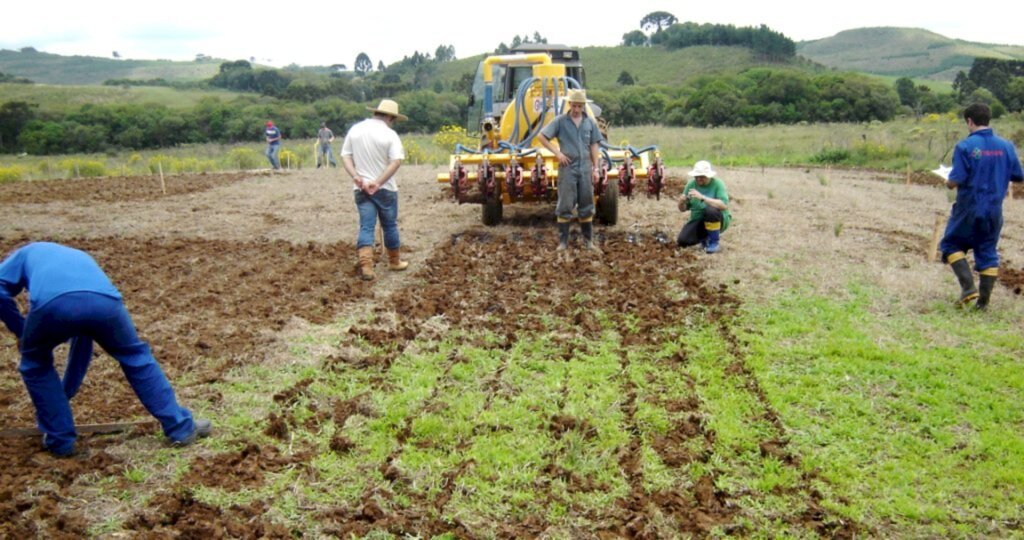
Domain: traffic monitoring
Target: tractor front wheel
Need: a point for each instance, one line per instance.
(608, 203)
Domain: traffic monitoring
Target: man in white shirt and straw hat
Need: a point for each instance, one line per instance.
(372, 153)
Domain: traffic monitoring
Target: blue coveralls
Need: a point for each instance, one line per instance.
(575, 186)
(983, 166)
(71, 298)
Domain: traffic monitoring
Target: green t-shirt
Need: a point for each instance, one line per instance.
(716, 190)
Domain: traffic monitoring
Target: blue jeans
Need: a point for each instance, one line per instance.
(383, 205)
(273, 150)
(86, 316)
(326, 156)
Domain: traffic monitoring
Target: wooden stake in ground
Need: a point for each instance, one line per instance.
(163, 186)
(933, 246)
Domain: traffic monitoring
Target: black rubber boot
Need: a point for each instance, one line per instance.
(985, 285)
(587, 228)
(563, 236)
(962, 270)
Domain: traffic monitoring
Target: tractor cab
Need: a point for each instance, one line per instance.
(507, 79)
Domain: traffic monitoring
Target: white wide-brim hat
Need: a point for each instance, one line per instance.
(702, 168)
(389, 108)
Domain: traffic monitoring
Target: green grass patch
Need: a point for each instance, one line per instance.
(916, 435)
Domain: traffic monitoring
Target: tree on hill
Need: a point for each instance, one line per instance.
(117, 54)
(963, 86)
(237, 75)
(444, 53)
(656, 21)
(635, 38)
(517, 41)
(14, 116)
(8, 78)
(907, 90)
(363, 64)
(762, 40)
(380, 65)
(994, 75)
(625, 79)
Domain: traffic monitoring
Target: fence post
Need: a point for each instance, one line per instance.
(163, 186)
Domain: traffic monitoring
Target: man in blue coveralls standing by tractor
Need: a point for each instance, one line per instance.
(983, 167)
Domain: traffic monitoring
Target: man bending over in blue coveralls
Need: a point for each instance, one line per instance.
(983, 167)
(70, 298)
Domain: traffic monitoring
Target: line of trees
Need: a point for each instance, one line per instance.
(757, 96)
(99, 128)
(764, 41)
(667, 32)
(8, 78)
(298, 100)
(1001, 80)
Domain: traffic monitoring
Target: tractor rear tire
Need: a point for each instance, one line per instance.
(608, 204)
(492, 211)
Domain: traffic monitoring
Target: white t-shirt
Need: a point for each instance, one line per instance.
(373, 145)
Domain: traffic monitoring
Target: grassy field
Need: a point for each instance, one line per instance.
(809, 381)
(898, 433)
(63, 98)
(46, 68)
(647, 65)
(914, 144)
(910, 52)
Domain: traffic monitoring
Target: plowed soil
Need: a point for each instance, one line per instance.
(217, 270)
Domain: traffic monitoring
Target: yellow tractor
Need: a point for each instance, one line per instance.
(520, 93)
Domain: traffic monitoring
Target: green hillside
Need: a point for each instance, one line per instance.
(46, 68)
(647, 65)
(58, 98)
(902, 52)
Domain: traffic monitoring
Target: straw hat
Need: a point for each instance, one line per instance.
(576, 96)
(389, 108)
(702, 168)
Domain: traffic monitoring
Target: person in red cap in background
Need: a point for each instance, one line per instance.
(273, 144)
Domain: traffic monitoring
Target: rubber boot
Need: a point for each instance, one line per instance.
(985, 284)
(395, 262)
(587, 228)
(563, 236)
(962, 270)
(712, 240)
(366, 262)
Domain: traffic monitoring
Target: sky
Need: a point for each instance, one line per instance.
(335, 32)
